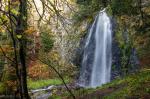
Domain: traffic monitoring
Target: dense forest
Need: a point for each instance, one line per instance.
(74, 49)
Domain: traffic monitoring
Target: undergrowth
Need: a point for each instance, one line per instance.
(135, 85)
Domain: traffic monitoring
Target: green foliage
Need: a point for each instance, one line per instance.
(47, 41)
(121, 7)
(1, 69)
(8, 80)
(2, 88)
(14, 11)
(128, 87)
(109, 10)
(87, 10)
(9, 74)
(137, 86)
(55, 97)
(125, 47)
(84, 1)
(97, 2)
(125, 57)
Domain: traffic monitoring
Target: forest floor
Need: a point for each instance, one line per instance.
(134, 86)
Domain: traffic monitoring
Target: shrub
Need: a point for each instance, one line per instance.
(121, 7)
(47, 41)
(39, 71)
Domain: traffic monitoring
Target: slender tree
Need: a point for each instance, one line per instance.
(16, 27)
(20, 31)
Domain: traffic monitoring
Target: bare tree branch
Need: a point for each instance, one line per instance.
(4, 54)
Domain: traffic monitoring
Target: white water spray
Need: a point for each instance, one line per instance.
(99, 71)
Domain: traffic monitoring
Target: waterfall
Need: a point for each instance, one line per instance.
(96, 62)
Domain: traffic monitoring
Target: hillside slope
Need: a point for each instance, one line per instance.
(134, 86)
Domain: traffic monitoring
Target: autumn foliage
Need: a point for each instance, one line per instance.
(39, 71)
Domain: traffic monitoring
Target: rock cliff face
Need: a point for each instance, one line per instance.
(116, 53)
(117, 68)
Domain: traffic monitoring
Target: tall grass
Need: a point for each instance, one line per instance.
(43, 83)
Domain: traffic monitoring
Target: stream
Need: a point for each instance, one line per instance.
(46, 92)
(42, 93)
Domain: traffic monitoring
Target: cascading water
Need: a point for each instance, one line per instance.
(96, 63)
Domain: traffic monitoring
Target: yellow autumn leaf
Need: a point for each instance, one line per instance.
(14, 11)
(19, 36)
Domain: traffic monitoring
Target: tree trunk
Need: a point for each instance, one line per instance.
(22, 54)
(21, 27)
(19, 90)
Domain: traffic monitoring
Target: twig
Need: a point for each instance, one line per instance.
(6, 55)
